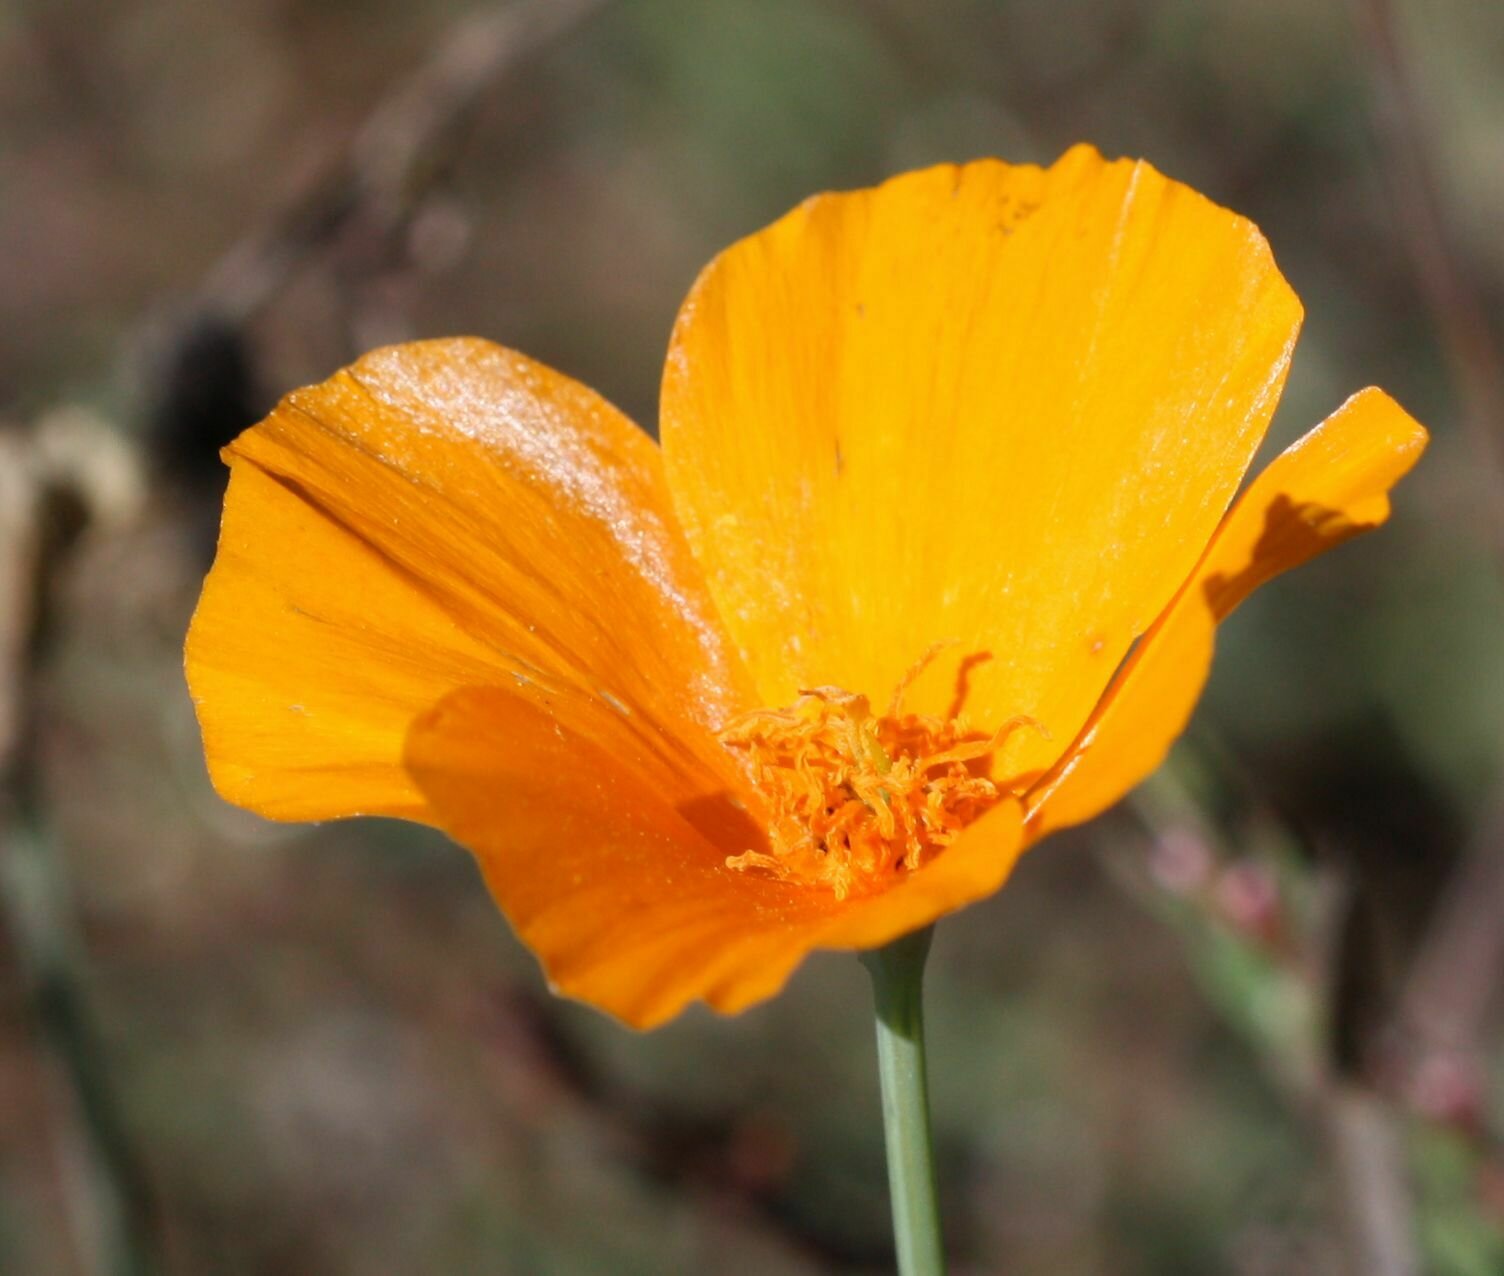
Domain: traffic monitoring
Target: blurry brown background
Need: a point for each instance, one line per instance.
(1245, 1025)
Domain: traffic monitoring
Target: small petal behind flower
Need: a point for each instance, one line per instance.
(1329, 486)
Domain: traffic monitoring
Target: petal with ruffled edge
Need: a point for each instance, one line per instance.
(1000, 407)
(1326, 488)
(443, 514)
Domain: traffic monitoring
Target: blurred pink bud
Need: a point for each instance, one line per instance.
(1247, 896)
(1180, 861)
(1448, 1087)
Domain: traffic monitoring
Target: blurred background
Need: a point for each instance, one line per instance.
(1246, 1024)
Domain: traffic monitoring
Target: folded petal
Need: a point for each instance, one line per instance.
(623, 895)
(1328, 487)
(444, 514)
(997, 407)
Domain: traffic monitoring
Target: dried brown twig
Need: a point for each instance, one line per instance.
(194, 365)
(405, 146)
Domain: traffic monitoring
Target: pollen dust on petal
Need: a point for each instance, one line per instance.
(855, 798)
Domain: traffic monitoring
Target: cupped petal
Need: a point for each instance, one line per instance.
(443, 514)
(971, 868)
(1326, 488)
(624, 895)
(997, 407)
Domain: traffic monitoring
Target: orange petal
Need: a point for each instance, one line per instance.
(993, 406)
(973, 867)
(1329, 486)
(443, 514)
(626, 903)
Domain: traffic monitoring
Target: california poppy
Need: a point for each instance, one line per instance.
(928, 564)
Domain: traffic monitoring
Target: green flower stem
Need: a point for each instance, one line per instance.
(898, 993)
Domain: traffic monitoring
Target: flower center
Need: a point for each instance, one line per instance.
(854, 797)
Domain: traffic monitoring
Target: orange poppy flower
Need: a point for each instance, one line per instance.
(935, 456)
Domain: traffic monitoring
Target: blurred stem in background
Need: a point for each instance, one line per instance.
(55, 482)
(898, 997)
(1263, 925)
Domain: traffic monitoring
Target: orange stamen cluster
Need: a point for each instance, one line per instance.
(854, 798)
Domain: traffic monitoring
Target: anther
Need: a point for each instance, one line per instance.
(855, 798)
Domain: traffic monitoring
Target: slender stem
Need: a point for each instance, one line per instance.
(898, 993)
